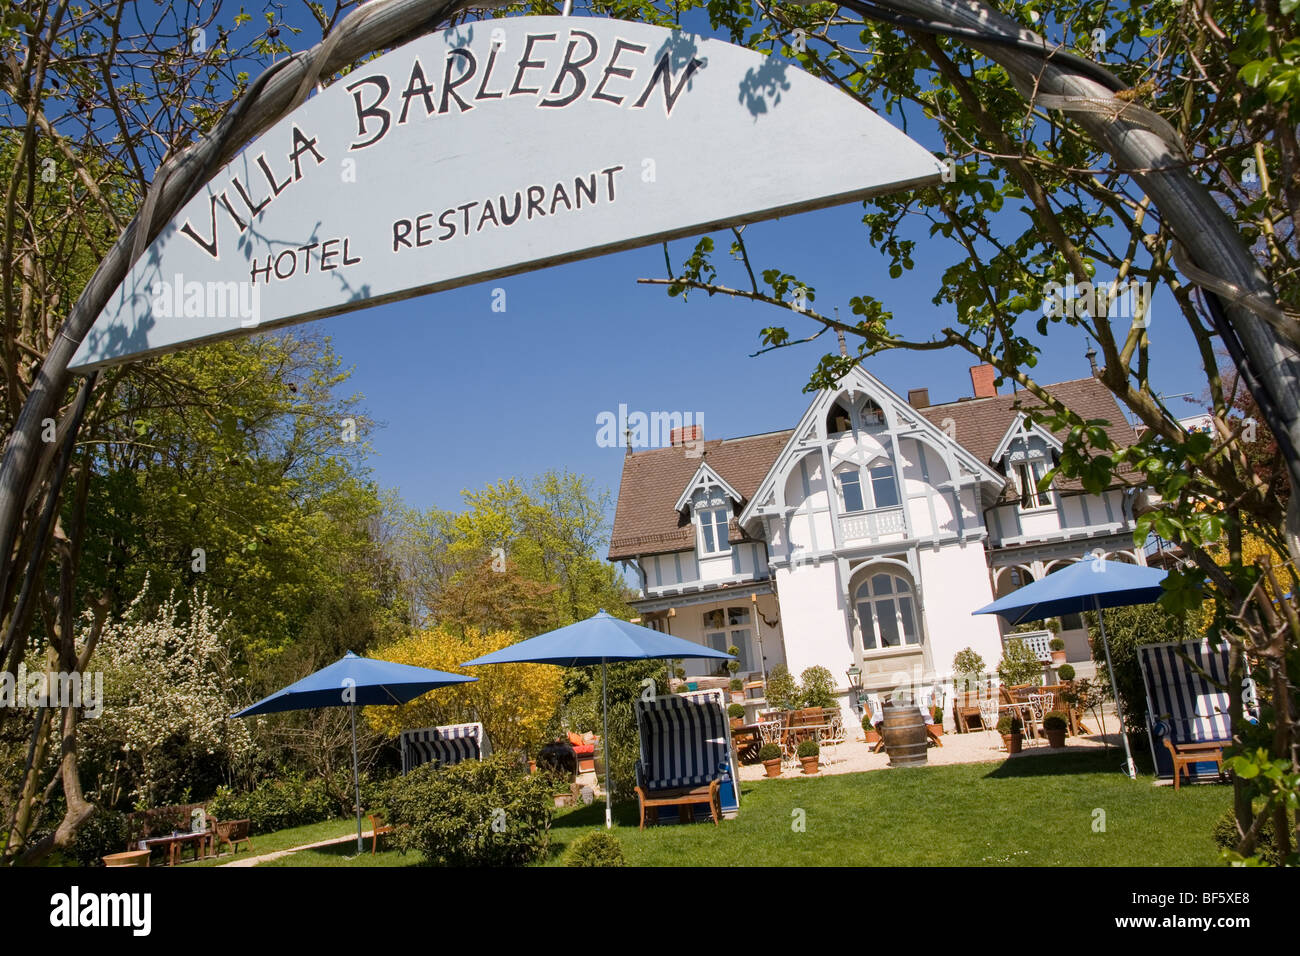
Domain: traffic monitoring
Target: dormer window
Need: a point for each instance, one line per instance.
(713, 530)
(1028, 474)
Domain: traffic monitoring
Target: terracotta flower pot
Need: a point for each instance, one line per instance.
(871, 736)
(936, 729)
(1012, 742)
(809, 764)
(1058, 658)
(773, 767)
(1055, 738)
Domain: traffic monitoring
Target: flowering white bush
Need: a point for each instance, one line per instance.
(167, 690)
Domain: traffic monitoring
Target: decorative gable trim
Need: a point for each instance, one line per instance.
(901, 420)
(1022, 430)
(703, 479)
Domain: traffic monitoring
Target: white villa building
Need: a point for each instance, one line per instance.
(866, 535)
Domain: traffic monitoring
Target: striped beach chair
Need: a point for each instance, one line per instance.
(1187, 714)
(444, 745)
(685, 755)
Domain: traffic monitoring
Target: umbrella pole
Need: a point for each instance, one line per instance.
(604, 741)
(1129, 768)
(356, 776)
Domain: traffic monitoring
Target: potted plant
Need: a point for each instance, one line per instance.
(1055, 724)
(1066, 673)
(869, 732)
(936, 721)
(1009, 727)
(737, 690)
(808, 753)
(769, 755)
(1058, 651)
(737, 714)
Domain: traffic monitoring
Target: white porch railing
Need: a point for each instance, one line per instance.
(873, 525)
(1039, 642)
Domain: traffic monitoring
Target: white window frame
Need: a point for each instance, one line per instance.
(718, 539)
(874, 599)
(1035, 467)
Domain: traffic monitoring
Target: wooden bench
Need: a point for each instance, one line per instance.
(683, 798)
(233, 833)
(1187, 754)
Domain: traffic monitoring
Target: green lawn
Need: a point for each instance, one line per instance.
(1030, 812)
(285, 839)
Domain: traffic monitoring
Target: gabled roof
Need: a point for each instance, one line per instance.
(705, 477)
(859, 379)
(1022, 426)
(981, 423)
(645, 521)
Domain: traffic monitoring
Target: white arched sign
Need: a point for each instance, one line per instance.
(490, 149)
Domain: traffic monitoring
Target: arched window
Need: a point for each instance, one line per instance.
(887, 612)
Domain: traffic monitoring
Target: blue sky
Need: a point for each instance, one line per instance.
(466, 396)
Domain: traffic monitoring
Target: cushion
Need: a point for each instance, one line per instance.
(575, 739)
(586, 750)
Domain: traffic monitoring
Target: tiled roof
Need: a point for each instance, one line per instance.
(980, 423)
(645, 522)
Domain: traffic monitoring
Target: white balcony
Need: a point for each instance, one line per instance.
(872, 525)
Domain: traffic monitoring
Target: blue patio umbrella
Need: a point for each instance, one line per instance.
(599, 639)
(1087, 585)
(355, 682)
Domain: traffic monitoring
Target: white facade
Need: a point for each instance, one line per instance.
(870, 540)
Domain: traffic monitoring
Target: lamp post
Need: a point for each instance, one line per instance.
(854, 674)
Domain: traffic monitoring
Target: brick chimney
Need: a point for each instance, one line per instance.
(687, 433)
(918, 397)
(982, 378)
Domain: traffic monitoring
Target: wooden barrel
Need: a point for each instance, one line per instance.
(904, 735)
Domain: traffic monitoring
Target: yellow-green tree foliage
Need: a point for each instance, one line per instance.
(515, 702)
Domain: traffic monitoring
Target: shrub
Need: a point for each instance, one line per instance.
(1056, 720)
(514, 702)
(107, 831)
(1225, 837)
(733, 666)
(1009, 724)
(737, 684)
(1065, 672)
(782, 691)
(769, 752)
(1056, 644)
(1019, 663)
(866, 721)
(808, 748)
(1126, 628)
(818, 688)
(936, 715)
(279, 804)
(476, 813)
(736, 712)
(599, 848)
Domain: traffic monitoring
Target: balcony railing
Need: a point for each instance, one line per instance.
(873, 525)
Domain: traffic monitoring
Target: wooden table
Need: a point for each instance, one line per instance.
(174, 844)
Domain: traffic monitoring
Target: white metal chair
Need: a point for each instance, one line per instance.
(1039, 705)
(834, 735)
(989, 713)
